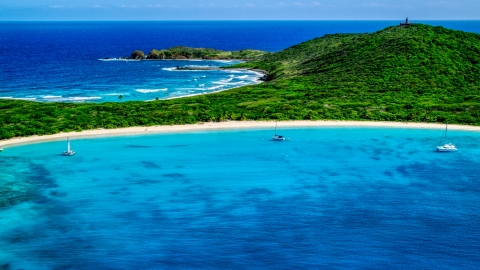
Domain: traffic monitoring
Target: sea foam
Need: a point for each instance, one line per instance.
(145, 91)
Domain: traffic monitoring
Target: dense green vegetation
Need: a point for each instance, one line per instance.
(418, 73)
(202, 53)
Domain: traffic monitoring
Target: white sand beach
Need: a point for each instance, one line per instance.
(212, 126)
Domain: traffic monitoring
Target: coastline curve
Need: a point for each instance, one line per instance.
(226, 125)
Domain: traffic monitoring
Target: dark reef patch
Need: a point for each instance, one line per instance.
(173, 175)
(42, 176)
(58, 193)
(23, 181)
(258, 191)
(146, 182)
(150, 165)
(138, 146)
(387, 173)
(331, 173)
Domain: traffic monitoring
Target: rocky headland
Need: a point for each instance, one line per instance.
(187, 53)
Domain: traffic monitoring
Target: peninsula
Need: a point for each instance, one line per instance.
(418, 73)
(187, 53)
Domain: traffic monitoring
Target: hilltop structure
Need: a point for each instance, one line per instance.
(406, 23)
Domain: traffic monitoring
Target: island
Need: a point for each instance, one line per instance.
(418, 73)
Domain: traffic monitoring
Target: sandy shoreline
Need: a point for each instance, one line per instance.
(213, 126)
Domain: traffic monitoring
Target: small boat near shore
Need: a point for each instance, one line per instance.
(443, 146)
(69, 151)
(277, 137)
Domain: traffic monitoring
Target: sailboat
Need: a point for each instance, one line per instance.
(277, 137)
(69, 151)
(443, 146)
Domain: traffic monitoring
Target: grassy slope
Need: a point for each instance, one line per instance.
(420, 73)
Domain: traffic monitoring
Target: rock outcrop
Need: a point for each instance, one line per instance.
(137, 55)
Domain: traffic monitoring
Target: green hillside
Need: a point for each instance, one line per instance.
(429, 70)
(418, 73)
(414, 53)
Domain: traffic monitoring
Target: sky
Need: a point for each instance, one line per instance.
(86, 10)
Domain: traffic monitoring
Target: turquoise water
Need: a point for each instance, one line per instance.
(329, 197)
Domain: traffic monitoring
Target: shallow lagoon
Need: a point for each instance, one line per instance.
(339, 197)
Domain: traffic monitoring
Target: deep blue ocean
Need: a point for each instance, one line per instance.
(329, 198)
(59, 61)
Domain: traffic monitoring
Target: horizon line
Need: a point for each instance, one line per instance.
(241, 20)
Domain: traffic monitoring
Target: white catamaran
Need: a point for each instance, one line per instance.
(443, 146)
(277, 137)
(69, 151)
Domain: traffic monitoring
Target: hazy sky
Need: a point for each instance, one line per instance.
(239, 10)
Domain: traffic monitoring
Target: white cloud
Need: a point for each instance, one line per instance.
(57, 6)
(128, 6)
(441, 4)
(247, 5)
(155, 6)
(299, 4)
(375, 4)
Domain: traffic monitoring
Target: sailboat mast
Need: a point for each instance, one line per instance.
(446, 128)
(68, 144)
(276, 123)
(443, 139)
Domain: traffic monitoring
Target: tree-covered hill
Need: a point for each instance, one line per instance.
(417, 58)
(418, 73)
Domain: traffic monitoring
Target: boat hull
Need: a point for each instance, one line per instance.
(68, 153)
(278, 138)
(442, 149)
